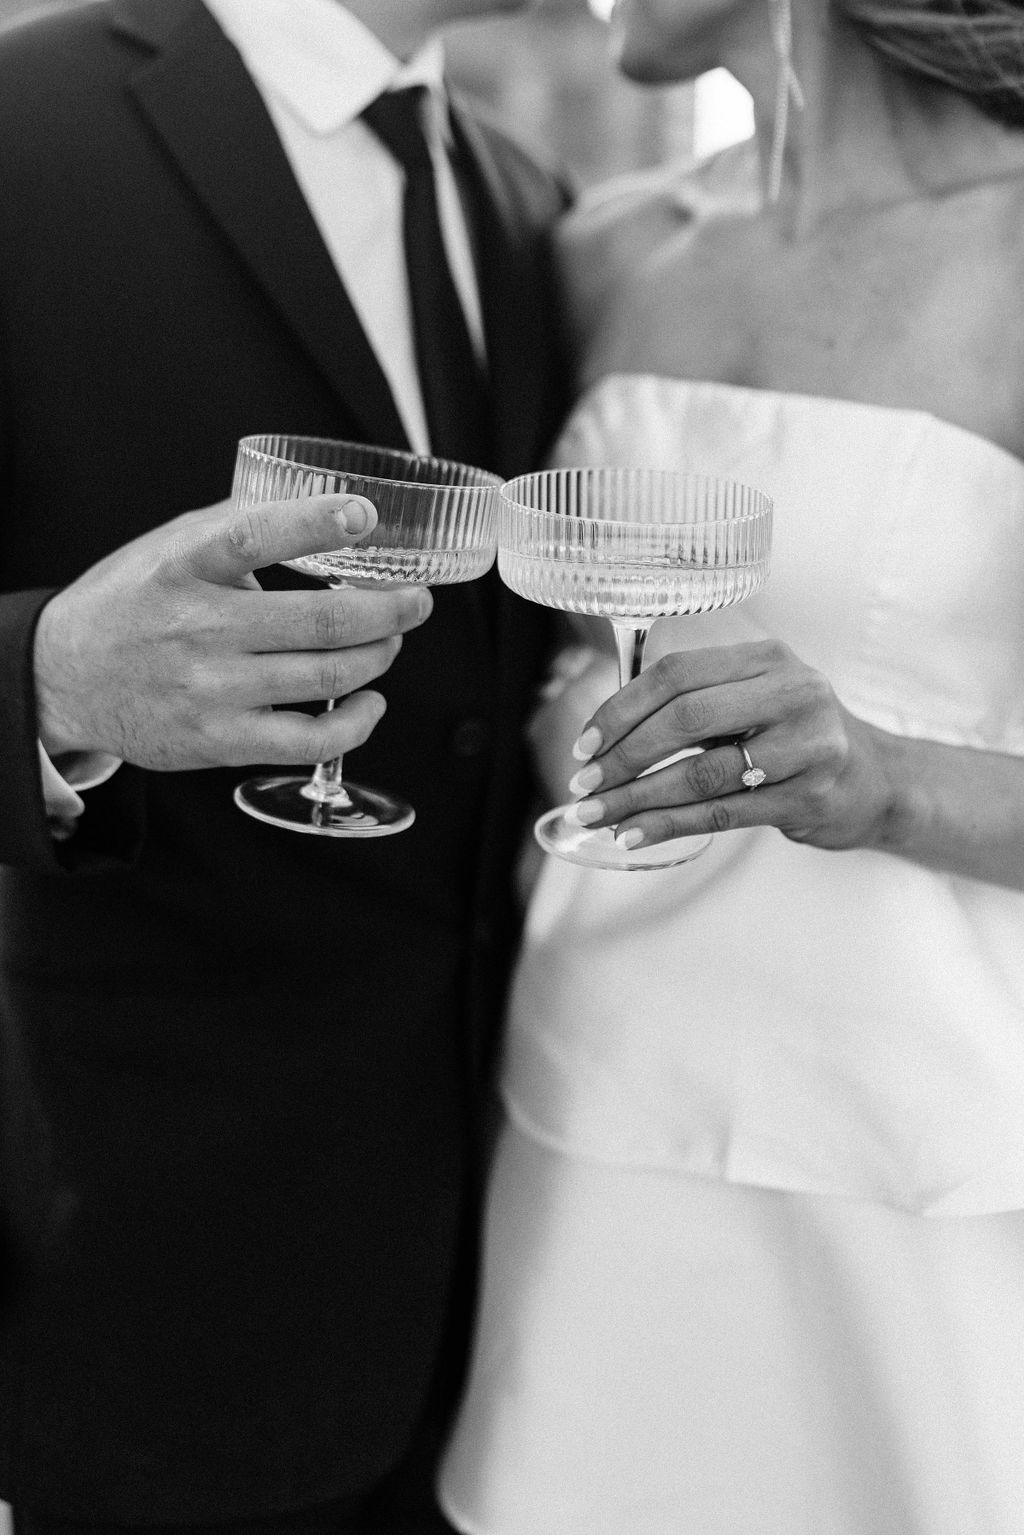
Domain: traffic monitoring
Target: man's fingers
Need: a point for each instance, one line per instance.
(333, 619)
(203, 516)
(226, 549)
(281, 738)
(302, 677)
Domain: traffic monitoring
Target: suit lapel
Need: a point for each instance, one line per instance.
(203, 105)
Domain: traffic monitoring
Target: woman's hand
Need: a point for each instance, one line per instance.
(827, 774)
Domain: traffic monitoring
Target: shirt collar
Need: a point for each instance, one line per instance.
(319, 60)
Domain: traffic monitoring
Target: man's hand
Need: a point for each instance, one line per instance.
(168, 654)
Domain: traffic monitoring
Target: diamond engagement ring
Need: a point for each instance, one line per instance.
(753, 777)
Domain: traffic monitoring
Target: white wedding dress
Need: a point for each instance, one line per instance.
(755, 1246)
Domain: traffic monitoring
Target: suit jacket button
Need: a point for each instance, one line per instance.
(471, 737)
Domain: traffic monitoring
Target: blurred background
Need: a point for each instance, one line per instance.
(547, 72)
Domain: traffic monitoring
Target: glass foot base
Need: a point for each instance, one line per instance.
(598, 849)
(287, 802)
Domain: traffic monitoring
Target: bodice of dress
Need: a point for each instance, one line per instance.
(773, 1014)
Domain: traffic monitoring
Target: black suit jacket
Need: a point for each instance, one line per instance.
(239, 1064)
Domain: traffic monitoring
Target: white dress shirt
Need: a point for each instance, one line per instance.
(316, 67)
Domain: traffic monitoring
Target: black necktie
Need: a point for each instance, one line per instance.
(454, 388)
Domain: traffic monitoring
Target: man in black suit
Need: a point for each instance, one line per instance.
(242, 1068)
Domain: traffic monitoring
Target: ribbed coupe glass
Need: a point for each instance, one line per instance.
(436, 524)
(629, 545)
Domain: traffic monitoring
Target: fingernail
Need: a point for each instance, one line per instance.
(588, 743)
(424, 606)
(355, 516)
(630, 838)
(584, 813)
(586, 779)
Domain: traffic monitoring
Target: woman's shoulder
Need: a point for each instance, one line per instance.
(626, 229)
(618, 219)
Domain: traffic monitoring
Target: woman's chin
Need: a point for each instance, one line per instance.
(648, 67)
(645, 59)
(645, 49)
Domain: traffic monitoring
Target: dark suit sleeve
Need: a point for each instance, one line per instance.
(24, 833)
(110, 832)
(110, 835)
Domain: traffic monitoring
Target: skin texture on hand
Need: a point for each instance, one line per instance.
(831, 779)
(170, 655)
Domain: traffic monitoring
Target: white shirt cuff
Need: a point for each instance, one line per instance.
(78, 771)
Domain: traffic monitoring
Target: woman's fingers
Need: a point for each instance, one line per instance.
(712, 775)
(810, 767)
(685, 721)
(731, 813)
(687, 684)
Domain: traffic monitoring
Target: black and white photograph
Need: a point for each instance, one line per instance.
(511, 767)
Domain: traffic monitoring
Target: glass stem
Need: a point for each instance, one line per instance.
(630, 641)
(325, 784)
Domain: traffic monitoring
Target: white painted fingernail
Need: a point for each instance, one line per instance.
(630, 838)
(583, 813)
(588, 743)
(586, 779)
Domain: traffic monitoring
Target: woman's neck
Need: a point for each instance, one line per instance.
(867, 135)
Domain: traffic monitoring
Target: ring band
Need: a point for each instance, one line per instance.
(753, 777)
